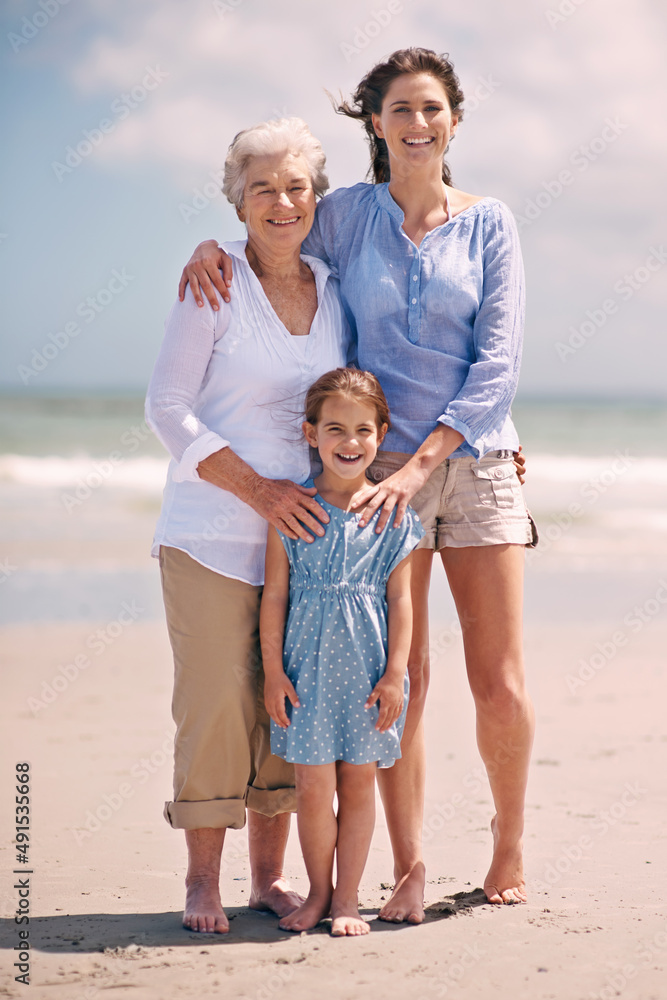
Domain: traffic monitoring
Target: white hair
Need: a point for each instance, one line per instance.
(288, 135)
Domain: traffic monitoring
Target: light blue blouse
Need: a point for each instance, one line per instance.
(440, 325)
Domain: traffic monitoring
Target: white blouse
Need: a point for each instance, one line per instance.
(236, 378)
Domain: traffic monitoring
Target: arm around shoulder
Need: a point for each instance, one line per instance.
(202, 272)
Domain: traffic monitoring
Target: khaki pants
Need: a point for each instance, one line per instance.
(222, 752)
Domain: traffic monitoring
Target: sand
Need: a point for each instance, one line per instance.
(107, 872)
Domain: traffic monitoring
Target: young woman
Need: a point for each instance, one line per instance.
(432, 278)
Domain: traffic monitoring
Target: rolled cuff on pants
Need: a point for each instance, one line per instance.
(214, 814)
(222, 813)
(222, 751)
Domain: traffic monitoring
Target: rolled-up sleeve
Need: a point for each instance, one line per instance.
(484, 401)
(189, 338)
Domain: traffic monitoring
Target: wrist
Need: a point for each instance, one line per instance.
(273, 669)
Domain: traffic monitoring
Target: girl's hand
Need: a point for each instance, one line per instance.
(520, 465)
(276, 690)
(203, 273)
(389, 693)
(395, 493)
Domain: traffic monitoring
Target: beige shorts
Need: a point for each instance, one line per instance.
(465, 502)
(222, 750)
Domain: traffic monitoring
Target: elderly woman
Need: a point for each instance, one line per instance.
(223, 397)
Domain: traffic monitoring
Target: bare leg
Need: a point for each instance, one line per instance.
(318, 830)
(203, 908)
(267, 840)
(356, 818)
(402, 786)
(487, 584)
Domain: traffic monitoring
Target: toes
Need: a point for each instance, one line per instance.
(513, 896)
(492, 894)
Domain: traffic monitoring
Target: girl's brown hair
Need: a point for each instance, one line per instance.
(369, 95)
(361, 386)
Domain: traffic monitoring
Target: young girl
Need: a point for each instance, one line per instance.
(335, 675)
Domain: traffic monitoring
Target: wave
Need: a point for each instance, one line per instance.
(142, 474)
(147, 473)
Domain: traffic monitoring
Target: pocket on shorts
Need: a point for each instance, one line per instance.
(497, 485)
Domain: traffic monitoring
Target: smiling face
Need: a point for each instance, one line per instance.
(278, 203)
(346, 435)
(416, 121)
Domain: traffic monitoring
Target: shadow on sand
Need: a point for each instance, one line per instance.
(77, 933)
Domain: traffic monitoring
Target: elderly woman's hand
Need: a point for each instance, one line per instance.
(289, 507)
(203, 273)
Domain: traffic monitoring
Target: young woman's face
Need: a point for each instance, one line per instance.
(416, 120)
(346, 435)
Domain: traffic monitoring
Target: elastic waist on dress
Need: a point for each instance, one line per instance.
(316, 585)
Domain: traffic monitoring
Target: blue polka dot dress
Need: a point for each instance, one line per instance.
(336, 640)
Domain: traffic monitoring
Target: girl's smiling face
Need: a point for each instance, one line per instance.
(346, 436)
(416, 120)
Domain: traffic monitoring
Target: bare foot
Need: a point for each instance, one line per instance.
(505, 882)
(407, 899)
(275, 896)
(308, 915)
(203, 908)
(346, 920)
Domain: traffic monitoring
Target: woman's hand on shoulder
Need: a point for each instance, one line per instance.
(393, 495)
(202, 271)
(290, 508)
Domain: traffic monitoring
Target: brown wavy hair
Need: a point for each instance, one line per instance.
(359, 385)
(369, 95)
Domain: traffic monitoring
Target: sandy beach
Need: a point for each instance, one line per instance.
(87, 705)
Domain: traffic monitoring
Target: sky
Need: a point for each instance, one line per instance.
(117, 115)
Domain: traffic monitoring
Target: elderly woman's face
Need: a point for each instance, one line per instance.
(278, 201)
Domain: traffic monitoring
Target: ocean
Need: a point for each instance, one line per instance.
(81, 480)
